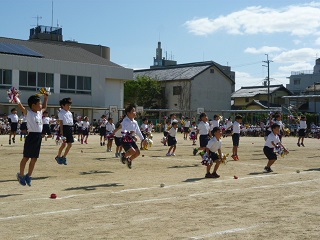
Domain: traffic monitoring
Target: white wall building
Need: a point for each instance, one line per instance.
(83, 72)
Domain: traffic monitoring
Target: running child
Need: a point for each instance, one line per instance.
(228, 127)
(215, 122)
(236, 137)
(130, 128)
(65, 127)
(302, 130)
(46, 132)
(118, 138)
(110, 128)
(171, 139)
(13, 120)
(103, 130)
(85, 130)
(272, 142)
(165, 132)
(186, 128)
(144, 130)
(32, 144)
(23, 127)
(193, 133)
(204, 132)
(213, 150)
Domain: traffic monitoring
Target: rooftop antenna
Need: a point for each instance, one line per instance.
(37, 17)
(52, 13)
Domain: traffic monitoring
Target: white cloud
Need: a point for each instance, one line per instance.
(296, 41)
(297, 20)
(262, 50)
(246, 79)
(300, 66)
(297, 55)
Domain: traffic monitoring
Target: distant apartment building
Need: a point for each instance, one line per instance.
(189, 86)
(304, 85)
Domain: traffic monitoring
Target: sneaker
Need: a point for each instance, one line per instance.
(123, 158)
(13, 140)
(237, 157)
(101, 144)
(9, 142)
(215, 175)
(58, 159)
(268, 169)
(64, 160)
(298, 144)
(195, 151)
(28, 180)
(234, 157)
(208, 175)
(173, 154)
(21, 180)
(129, 163)
(168, 154)
(302, 144)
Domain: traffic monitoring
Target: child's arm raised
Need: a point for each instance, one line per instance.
(22, 108)
(45, 102)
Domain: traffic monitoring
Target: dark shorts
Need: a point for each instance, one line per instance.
(102, 131)
(228, 131)
(118, 141)
(165, 134)
(85, 132)
(270, 154)
(204, 139)
(185, 129)
(13, 127)
(23, 126)
(235, 139)
(171, 141)
(52, 128)
(214, 156)
(67, 133)
(302, 133)
(144, 135)
(127, 145)
(32, 145)
(46, 129)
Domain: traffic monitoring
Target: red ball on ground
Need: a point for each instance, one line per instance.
(53, 195)
(235, 177)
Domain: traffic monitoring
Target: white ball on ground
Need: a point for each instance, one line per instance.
(161, 184)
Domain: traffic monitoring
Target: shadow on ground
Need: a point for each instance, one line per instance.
(94, 187)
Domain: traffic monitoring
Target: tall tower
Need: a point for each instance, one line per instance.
(316, 68)
(157, 61)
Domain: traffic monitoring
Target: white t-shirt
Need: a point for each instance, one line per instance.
(214, 144)
(129, 125)
(236, 127)
(173, 132)
(144, 127)
(85, 125)
(45, 120)
(272, 138)
(14, 118)
(103, 122)
(193, 129)
(66, 117)
(34, 121)
(187, 124)
(280, 124)
(23, 118)
(214, 123)
(302, 124)
(110, 127)
(229, 124)
(118, 134)
(203, 128)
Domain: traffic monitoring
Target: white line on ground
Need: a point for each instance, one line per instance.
(224, 232)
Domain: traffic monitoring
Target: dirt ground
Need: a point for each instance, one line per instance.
(100, 198)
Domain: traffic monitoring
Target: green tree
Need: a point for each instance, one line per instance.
(144, 91)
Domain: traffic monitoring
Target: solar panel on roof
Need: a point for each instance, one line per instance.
(17, 49)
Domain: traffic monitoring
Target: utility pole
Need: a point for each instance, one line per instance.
(268, 77)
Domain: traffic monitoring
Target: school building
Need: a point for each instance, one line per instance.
(81, 71)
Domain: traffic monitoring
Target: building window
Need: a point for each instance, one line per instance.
(45, 80)
(5, 78)
(296, 81)
(34, 81)
(176, 90)
(211, 70)
(75, 84)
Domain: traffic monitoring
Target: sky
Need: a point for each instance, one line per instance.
(237, 33)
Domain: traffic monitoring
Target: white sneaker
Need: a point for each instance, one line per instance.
(173, 154)
(168, 154)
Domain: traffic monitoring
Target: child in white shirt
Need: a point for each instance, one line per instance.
(171, 138)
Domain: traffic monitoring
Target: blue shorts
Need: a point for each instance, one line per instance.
(236, 139)
(204, 139)
(32, 145)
